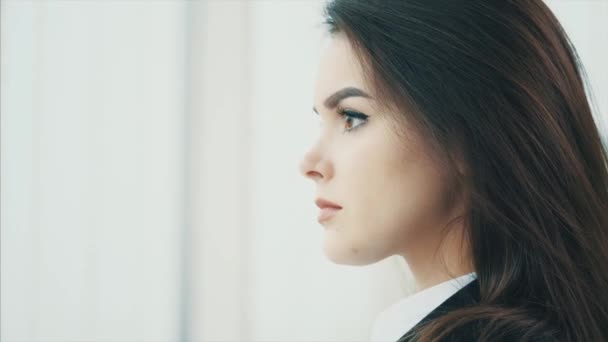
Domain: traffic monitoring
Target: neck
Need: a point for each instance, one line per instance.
(434, 260)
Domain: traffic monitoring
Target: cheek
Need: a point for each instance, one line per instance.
(398, 201)
(393, 194)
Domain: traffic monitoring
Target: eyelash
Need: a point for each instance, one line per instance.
(350, 114)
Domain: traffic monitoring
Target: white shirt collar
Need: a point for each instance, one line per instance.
(400, 317)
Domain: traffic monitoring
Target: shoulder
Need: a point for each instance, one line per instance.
(473, 330)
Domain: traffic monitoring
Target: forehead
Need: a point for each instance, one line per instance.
(338, 68)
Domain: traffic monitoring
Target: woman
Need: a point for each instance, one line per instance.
(458, 135)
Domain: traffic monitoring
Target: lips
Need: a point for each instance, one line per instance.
(328, 209)
(323, 203)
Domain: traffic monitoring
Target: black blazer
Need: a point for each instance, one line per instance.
(466, 296)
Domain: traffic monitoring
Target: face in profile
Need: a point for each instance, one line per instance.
(392, 197)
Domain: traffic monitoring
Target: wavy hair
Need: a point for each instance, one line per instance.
(498, 85)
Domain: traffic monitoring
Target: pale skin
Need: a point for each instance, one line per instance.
(393, 198)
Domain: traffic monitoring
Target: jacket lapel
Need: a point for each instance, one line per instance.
(466, 296)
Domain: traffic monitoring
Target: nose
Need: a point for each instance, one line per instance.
(313, 167)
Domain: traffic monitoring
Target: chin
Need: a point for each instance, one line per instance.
(345, 255)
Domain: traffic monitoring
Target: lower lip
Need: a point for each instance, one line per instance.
(327, 213)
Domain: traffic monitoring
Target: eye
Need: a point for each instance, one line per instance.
(349, 116)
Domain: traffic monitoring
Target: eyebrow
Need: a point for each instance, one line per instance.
(333, 100)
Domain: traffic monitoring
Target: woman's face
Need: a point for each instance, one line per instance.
(392, 197)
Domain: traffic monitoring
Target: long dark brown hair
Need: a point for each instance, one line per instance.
(499, 85)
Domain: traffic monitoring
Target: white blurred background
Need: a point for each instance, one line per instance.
(149, 173)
